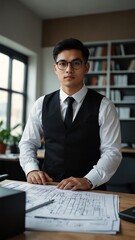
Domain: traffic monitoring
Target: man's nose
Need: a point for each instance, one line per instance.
(69, 67)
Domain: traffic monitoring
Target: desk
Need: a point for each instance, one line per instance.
(127, 229)
(124, 178)
(9, 163)
(128, 150)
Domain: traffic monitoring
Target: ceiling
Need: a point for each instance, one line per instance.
(51, 9)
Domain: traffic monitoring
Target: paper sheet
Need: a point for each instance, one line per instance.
(76, 211)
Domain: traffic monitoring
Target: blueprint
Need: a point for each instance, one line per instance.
(81, 211)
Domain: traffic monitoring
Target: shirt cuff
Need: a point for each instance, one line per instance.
(31, 167)
(94, 178)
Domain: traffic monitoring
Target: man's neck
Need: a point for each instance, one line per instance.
(71, 91)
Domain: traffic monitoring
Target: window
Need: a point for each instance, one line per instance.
(13, 86)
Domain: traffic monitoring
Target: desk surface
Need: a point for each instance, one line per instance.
(40, 154)
(14, 157)
(127, 229)
(128, 150)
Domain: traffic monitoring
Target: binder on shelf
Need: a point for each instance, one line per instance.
(93, 81)
(91, 63)
(129, 98)
(121, 80)
(112, 65)
(122, 49)
(96, 66)
(98, 51)
(104, 51)
(104, 66)
(115, 95)
(132, 65)
(117, 50)
(101, 80)
(92, 51)
(112, 95)
(124, 112)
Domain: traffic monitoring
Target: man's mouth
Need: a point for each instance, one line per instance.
(69, 77)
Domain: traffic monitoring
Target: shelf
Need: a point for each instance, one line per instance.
(95, 58)
(122, 72)
(112, 73)
(96, 87)
(122, 57)
(127, 119)
(124, 102)
(124, 87)
(128, 150)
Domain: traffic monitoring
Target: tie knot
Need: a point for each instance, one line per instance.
(70, 100)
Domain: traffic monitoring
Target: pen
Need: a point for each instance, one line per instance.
(3, 177)
(40, 205)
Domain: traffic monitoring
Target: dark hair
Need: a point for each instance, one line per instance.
(68, 44)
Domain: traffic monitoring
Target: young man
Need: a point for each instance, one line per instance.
(87, 153)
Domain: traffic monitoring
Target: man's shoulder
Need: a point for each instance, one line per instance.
(50, 95)
(41, 99)
(94, 94)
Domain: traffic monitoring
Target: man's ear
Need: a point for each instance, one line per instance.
(55, 68)
(87, 67)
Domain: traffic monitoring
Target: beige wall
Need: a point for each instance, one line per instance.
(96, 27)
(20, 25)
(21, 30)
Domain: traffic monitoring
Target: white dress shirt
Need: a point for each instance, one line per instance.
(109, 135)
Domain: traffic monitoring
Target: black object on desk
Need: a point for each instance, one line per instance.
(128, 214)
(3, 177)
(12, 212)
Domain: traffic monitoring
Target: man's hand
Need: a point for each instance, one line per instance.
(73, 184)
(38, 177)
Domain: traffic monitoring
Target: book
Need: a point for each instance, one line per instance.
(124, 112)
(93, 81)
(98, 51)
(91, 63)
(92, 51)
(104, 65)
(122, 49)
(104, 51)
(132, 65)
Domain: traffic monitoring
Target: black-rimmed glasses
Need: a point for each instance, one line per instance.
(75, 64)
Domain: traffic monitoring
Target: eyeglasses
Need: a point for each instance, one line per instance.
(75, 64)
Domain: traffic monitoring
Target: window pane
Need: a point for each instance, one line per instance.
(18, 75)
(16, 111)
(3, 106)
(4, 68)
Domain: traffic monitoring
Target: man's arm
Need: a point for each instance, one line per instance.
(110, 145)
(29, 144)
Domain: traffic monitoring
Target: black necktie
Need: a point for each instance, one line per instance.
(69, 112)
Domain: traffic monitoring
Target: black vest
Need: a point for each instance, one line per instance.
(71, 152)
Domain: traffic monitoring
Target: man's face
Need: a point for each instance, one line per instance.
(71, 78)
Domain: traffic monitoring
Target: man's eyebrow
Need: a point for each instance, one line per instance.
(71, 60)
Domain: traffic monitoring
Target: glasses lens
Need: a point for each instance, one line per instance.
(62, 65)
(76, 64)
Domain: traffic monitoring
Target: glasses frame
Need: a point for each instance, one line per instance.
(71, 63)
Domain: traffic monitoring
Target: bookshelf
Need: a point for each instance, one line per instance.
(112, 73)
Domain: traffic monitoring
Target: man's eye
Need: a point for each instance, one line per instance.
(77, 63)
(63, 64)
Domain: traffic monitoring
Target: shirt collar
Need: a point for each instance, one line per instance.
(78, 96)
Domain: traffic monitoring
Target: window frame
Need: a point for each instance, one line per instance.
(15, 55)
